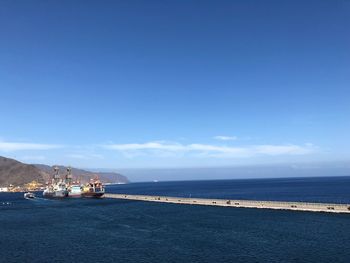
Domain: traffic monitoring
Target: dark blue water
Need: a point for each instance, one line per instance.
(89, 230)
(317, 189)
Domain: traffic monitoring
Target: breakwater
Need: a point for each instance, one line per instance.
(295, 206)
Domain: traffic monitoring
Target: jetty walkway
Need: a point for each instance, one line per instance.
(295, 206)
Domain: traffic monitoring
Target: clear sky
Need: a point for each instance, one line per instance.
(132, 84)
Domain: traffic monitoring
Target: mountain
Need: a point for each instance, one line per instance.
(18, 174)
(85, 176)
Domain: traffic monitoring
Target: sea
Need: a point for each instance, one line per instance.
(110, 230)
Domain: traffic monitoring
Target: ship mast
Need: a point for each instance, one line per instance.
(56, 176)
(69, 176)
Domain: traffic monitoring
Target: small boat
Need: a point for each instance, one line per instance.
(29, 195)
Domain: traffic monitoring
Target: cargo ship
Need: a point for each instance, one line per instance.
(93, 189)
(57, 188)
(65, 187)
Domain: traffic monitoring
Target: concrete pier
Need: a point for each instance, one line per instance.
(295, 206)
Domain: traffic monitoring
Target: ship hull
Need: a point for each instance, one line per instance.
(74, 195)
(74, 191)
(55, 194)
(93, 194)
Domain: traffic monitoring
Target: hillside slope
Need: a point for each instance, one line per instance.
(17, 173)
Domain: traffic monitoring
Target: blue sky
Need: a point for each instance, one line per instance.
(132, 84)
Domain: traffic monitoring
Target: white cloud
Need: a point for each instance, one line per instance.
(283, 149)
(147, 146)
(33, 158)
(20, 146)
(76, 156)
(225, 138)
(84, 156)
(207, 150)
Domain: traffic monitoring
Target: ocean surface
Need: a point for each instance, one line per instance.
(102, 230)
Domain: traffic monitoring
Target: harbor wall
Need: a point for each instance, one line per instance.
(294, 206)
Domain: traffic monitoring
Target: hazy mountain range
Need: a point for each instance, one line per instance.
(18, 173)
